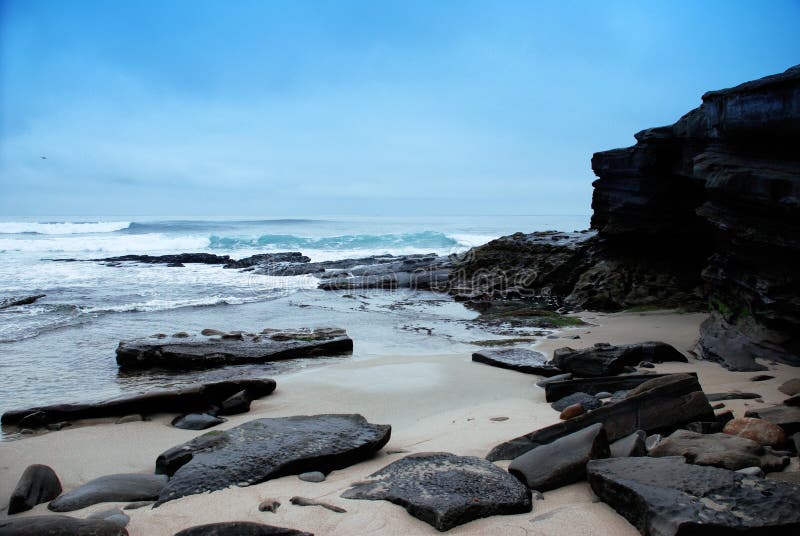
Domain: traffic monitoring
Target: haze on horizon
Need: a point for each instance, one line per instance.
(299, 108)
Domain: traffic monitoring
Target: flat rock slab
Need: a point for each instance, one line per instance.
(445, 490)
(56, 525)
(218, 350)
(610, 384)
(605, 359)
(720, 450)
(667, 497)
(111, 488)
(518, 359)
(38, 484)
(240, 528)
(200, 397)
(263, 449)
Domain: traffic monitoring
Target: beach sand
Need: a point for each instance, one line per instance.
(434, 403)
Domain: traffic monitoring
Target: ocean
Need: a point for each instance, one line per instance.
(61, 348)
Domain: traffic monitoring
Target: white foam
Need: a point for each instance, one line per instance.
(83, 245)
(62, 228)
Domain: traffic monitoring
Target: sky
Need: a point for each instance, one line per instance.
(272, 108)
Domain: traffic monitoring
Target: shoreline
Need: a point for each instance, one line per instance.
(438, 402)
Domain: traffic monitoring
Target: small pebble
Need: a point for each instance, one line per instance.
(499, 419)
(312, 476)
(752, 471)
(129, 418)
(269, 505)
(761, 378)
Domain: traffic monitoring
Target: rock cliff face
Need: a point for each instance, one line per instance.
(702, 213)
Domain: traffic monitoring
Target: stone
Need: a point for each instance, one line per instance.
(792, 477)
(498, 419)
(761, 431)
(130, 418)
(304, 501)
(557, 378)
(610, 384)
(58, 525)
(200, 352)
(661, 405)
(588, 402)
(572, 411)
(112, 515)
(518, 359)
(561, 462)
(196, 421)
(787, 417)
(312, 476)
(5, 303)
(715, 397)
(669, 497)
(445, 490)
(263, 449)
(111, 488)
(651, 441)
(38, 484)
(604, 359)
(137, 504)
(761, 378)
(602, 395)
(269, 505)
(719, 450)
(751, 471)
(240, 528)
(646, 364)
(790, 387)
(199, 397)
(56, 426)
(708, 427)
(629, 446)
(235, 404)
(792, 401)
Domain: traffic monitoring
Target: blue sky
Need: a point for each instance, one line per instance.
(295, 108)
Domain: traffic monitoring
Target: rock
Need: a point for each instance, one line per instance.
(752, 471)
(602, 395)
(53, 525)
(269, 505)
(661, 405)
(498, 419)
(240, 528)
(792, 401)
(787, 417)
(198, 397)
(137, 504)
(56, 426)
(572, 411)
(207, 352)
(557, 390)
(110, 488)
(758, 430)
(718, 450)
(629, 446)
(235, 404)
(761, 378)
(604, 359)
(790, 387)
(651, 441)
(445, 490)
(792, 477)
(303, 501)
(519, 359)
(646, 364)
(708, 427)
(130, 418)
(588, 402)
(668, 497)
(38, 484)
(561, 462)
(113, 515)
(5, 303)
(209, 332)
(715, 397)
(312, 476)
(718, 405)
(263, 449)
(544, 382)
(196, 421)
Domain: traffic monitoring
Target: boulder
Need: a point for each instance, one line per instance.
(445, 490)
(758, 430)
(604, 359)
(518, 359)
(196, 421)
(588, 402)
(111, 488)
(199, 397)
(561, 462)
(787, 417)
(594, 386)
(629, 446)
(57, 525)
(669, 497)
(660, 405)
(790, 387)
(38, 484)
(200, 351)
(718, 450)
(263, 449)
(792, 477)
(240, 528)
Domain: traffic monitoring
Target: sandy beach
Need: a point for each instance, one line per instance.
(434, 403)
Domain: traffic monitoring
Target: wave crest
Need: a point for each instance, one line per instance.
(62, 227)
(425, 239)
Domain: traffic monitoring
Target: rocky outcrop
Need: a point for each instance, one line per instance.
(5, 303)
(518, 359)
(557, 390)
(38, 484)
(217, 349)
(263, 449)
(605, 359)
(426, 272)
(445, 490)
(110, 488)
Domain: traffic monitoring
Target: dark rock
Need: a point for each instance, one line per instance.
(761, 378)
(199, 397)
(561, 462)
(718, 450)
(312, 476)
(130, 418)
(588, 402)
(303, 501)
(668, 497)
(792, 401)
(5, 303)
(445, 490)
(519, 359)
(235, 404)
(629, 446)
(428, 272)
(498, 419)
(707, 427)
(240, 528)
(544, 382)
(718, 405)
(714, 397)
(38, 484)
(269, 505)
(604, 359)
(791, 477)
(263, 449)
(557, 390)
(112, 515)
(110, 488)
(646, 364)
(666, 404)
(137, 504)
(196, 421)
(53, 525)
(208, 352)
(790, 387)
(787, 417)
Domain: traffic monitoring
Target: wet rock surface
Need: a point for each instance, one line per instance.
(5, 303)
(58, 525)
(667, 497)
(263, 449)
(445, 490)
(604, 359)
(111, 488)
(518, 359)
(38, 484)
(718, 450)
(196, 421)
(240, 528)
(209, 351)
